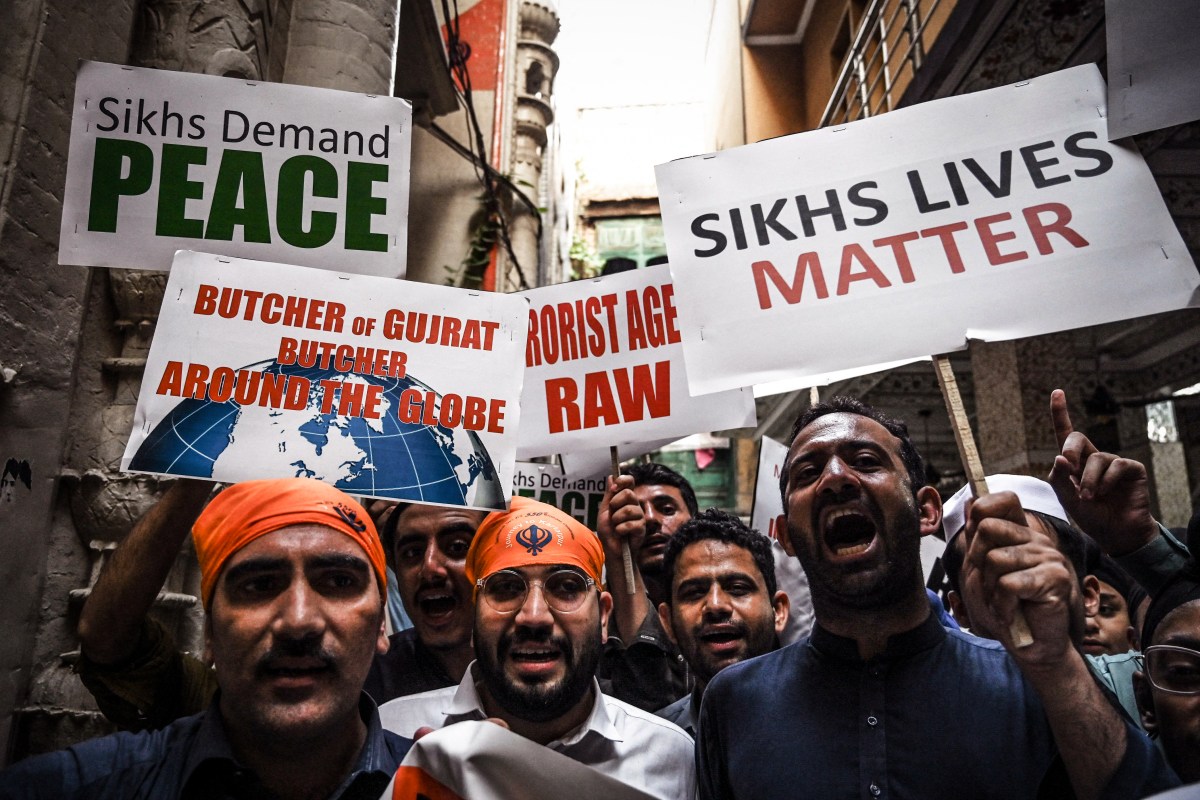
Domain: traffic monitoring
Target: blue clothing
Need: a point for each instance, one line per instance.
(190, 758)
(940, 714)
(940, 611)
(682, 712)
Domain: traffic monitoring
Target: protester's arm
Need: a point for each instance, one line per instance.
(110, 624)
(1109, 498)
(1010, 565)
(621, 520)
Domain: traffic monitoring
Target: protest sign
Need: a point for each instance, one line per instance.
(599, 462)
(808, 382)
(162, 161)
(995, 215)
(574, 494)
(764, 516)
(384, 388)
(472, 760)
(604, 366)
(1153, 64)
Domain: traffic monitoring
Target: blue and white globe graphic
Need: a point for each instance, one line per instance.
(382, 457)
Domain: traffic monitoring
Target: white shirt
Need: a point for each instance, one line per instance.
(618, 739)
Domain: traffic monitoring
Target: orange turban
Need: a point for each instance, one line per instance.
(532, 533)
(246, 511)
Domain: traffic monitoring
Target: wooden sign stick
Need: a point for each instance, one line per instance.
(1019, 629)
(626, 556)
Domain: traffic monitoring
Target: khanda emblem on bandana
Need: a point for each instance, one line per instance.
(534, 539)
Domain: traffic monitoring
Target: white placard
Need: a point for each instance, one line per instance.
(793, 385)
(1153, 64)
(768, 506)
(381, 387)
(605, 367)
(473, 760)
(993, 216)
(163, 161)
(599, 462)
(574, 494)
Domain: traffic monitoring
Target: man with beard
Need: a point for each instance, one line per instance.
(723, 606)
(850, 711)
(643, 508)
(540, 622)
(428, 547)
(293, 581)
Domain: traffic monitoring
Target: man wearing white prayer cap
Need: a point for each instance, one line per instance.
(1043, 512)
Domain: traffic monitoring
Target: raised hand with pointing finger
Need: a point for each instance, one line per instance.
(1108, 496)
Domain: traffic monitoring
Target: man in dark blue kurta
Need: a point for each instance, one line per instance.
(881, 701)
(293, 583)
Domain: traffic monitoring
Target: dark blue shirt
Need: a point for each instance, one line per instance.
(940, 714)
(408, 667)
(190, 758)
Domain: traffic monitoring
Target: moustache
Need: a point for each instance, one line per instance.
(283, 655)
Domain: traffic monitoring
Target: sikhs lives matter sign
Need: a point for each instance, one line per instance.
(381, 387)
(162, 161)
(604, 366)
(992, 216)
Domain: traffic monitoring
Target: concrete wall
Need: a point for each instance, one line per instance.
(42, 308)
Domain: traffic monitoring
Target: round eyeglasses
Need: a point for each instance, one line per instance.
(564, 590)
(1172, 668)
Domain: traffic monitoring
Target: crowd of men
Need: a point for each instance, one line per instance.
(1070, 668)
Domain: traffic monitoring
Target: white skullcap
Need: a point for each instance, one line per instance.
(1035, 495)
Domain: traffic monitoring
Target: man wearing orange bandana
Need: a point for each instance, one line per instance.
(541, 619)
(292, 579)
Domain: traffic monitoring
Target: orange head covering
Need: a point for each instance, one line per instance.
(246, 511)
(532, 533)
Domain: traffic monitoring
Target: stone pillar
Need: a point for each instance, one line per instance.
(537, 64)
(227, 38)
(331, 43)
(1012, 382)
(343, 44)
(1155, 430)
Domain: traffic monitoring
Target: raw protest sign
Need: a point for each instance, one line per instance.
(472, 760)
(573, 494)
(764, 518)
(599, 462)
(162, 161)
(604, 366)
(993, 216)
(383, 388)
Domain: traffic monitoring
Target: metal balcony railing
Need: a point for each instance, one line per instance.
(884, 56)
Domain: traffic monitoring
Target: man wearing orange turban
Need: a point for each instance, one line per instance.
(292, 578)
(540, 621)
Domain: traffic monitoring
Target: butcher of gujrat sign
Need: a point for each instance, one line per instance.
(384, 388)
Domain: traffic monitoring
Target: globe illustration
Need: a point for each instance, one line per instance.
(382, 457)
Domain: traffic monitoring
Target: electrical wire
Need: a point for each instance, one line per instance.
(475, 150)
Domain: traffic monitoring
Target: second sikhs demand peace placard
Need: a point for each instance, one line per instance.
(383, 388)
(163, 161)
(993, 216)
